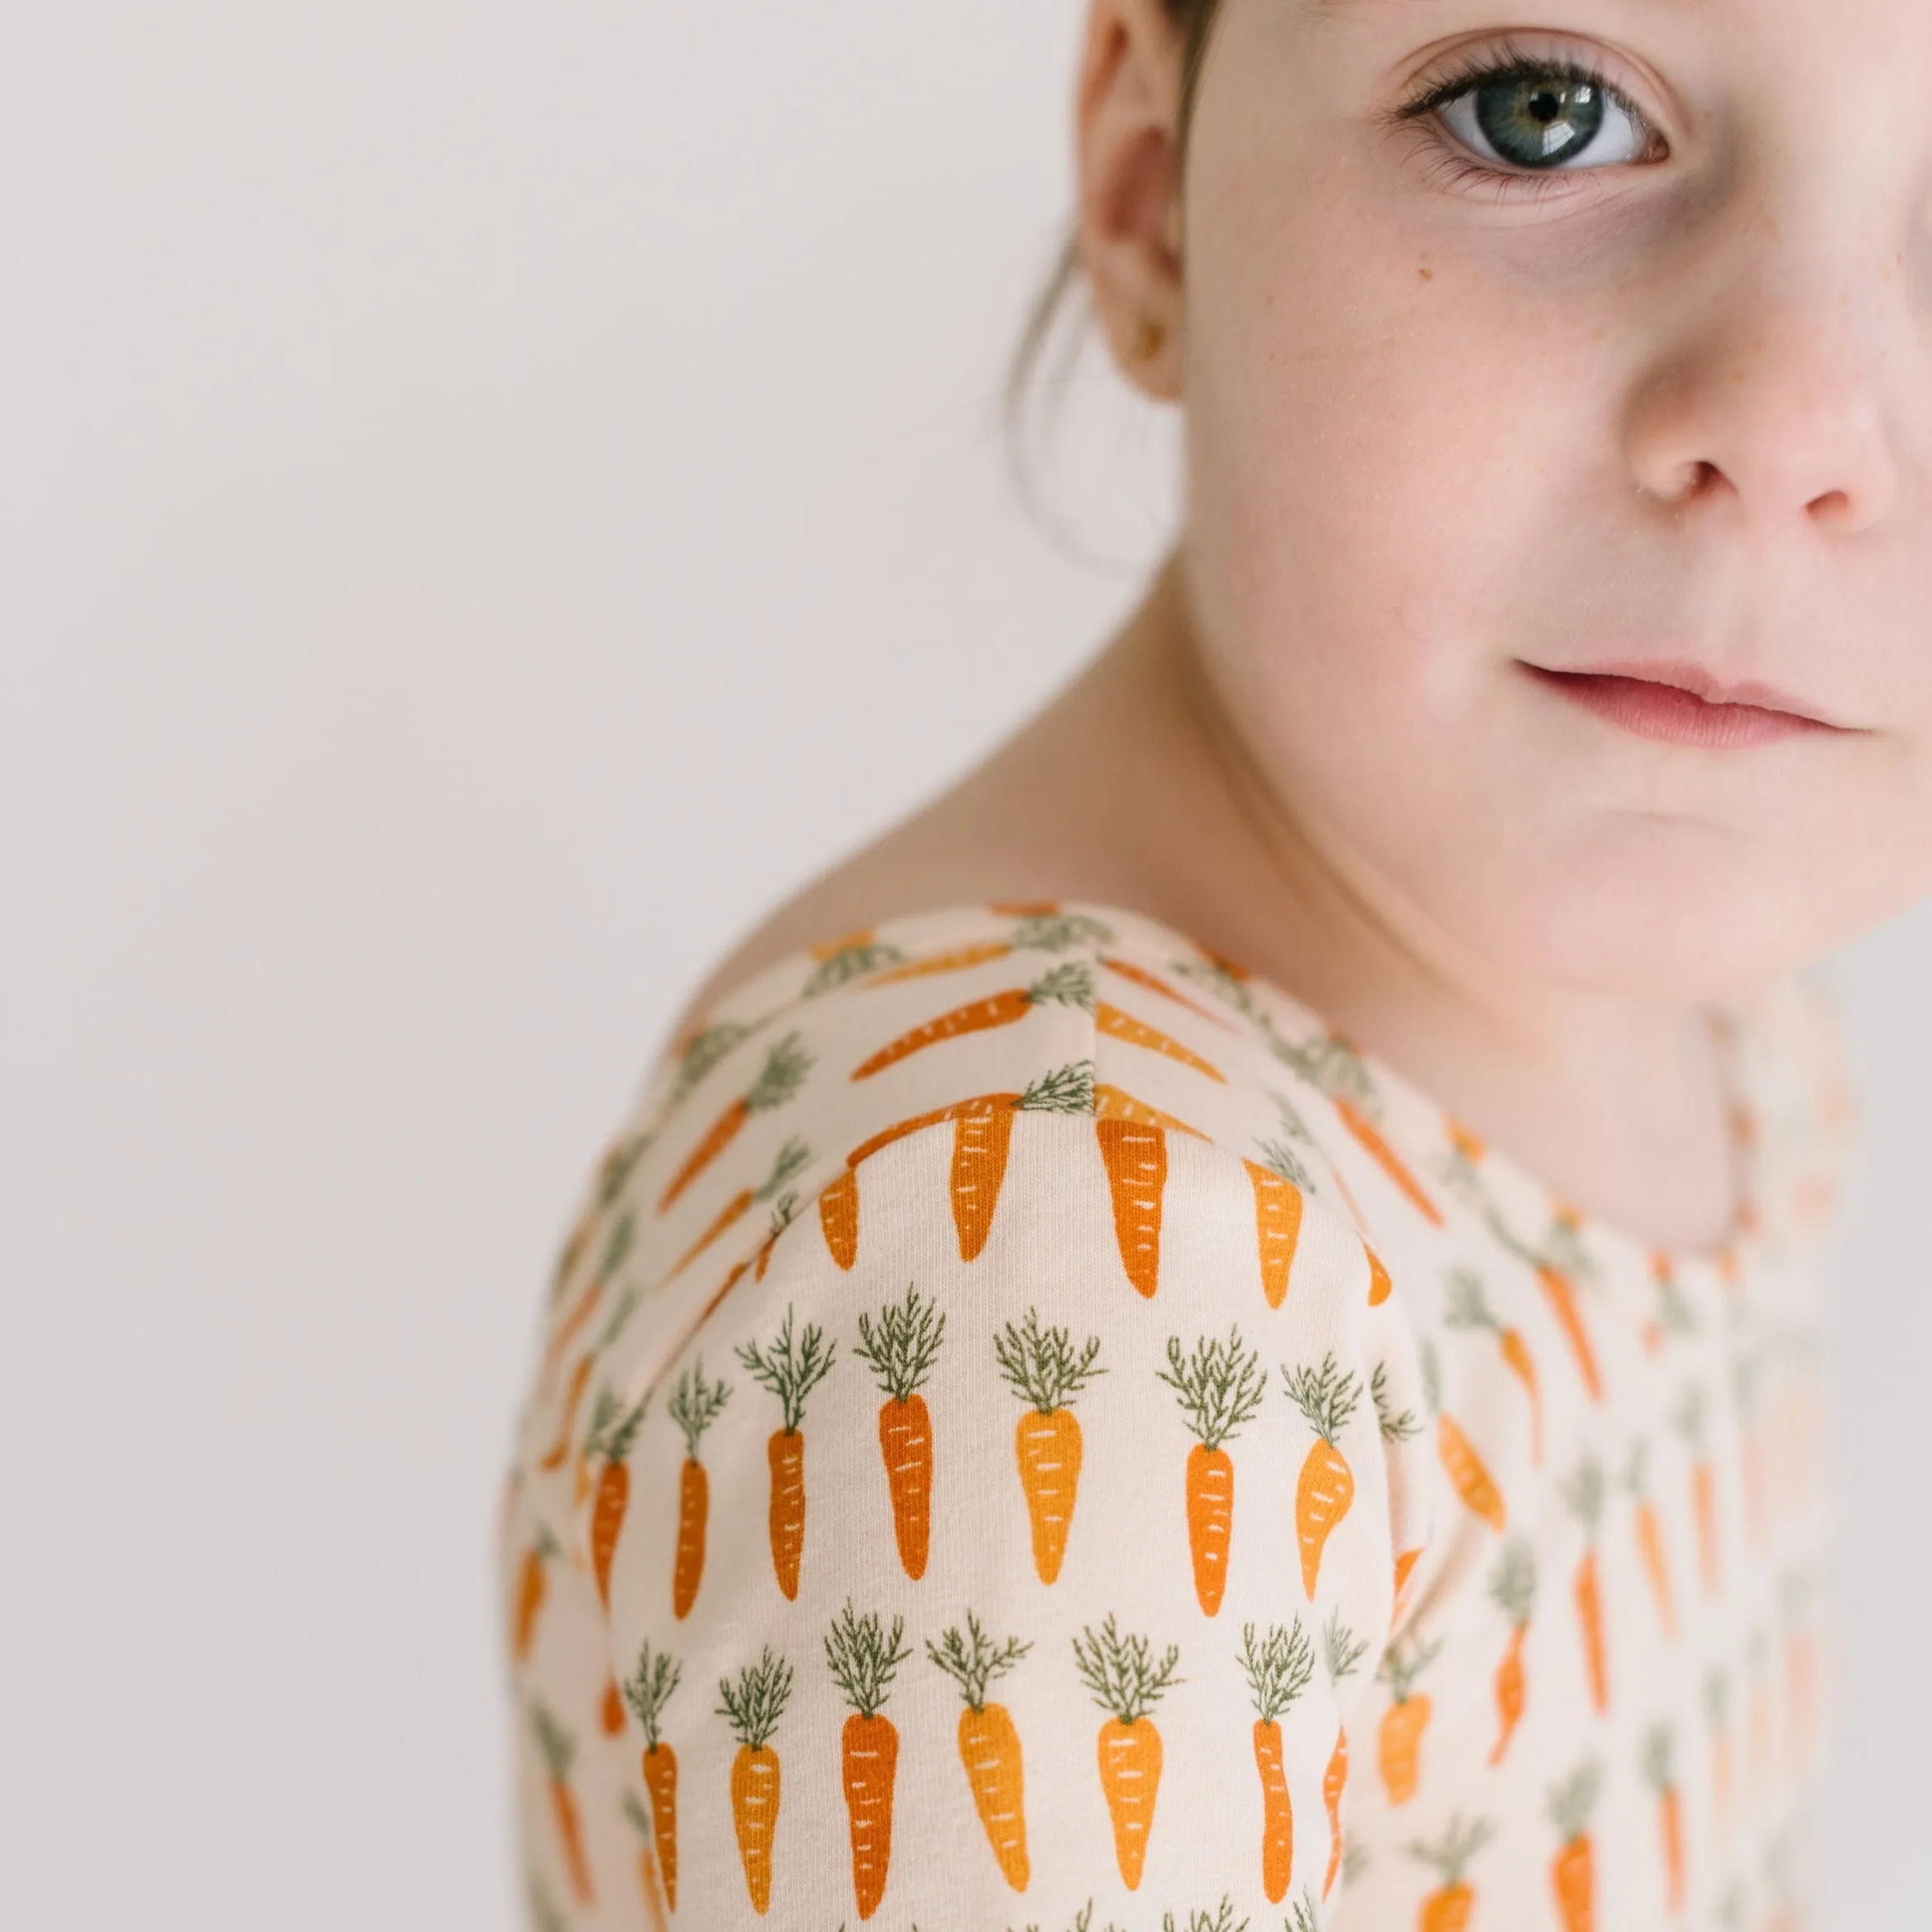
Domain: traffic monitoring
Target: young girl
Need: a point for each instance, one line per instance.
(1220, 1331)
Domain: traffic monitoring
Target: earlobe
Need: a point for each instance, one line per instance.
(1129, 156)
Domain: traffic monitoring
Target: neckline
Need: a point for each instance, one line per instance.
(1406, 1105)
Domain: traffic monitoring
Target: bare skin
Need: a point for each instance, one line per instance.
(1454, 449)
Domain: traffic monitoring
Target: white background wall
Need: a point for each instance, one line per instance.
(492, 496)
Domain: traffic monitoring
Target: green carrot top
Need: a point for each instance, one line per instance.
(791, 1157)
(1396, 1425)
(704, 1053)
(1326, 1396)
(902, 1347)
(1067, 1089)
(696, 1404)
(1121, 1671)
(1450, 1854)
(1572, 1801)
(791, 1370)
(1042, 1364)
(753, 1705)
(1278, 1668)
(856, 961)
(649, 1688)
(781, 1075)
(1342, 1650)
(1219, 1386)
(614, 1444)
(973, 1662)
(1659, 1759)
(1402, 1664)
(1513, 1580)
(1687, 1418)
(1221, 1920)
(1583, 1492)
(557, 1744)
(1070, 985)
(864, 1658)
(1468, 1306)
(1053, 932)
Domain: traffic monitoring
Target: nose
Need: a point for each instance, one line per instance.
(1770, 406)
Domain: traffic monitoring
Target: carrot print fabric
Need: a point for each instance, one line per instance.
(1031, 1429)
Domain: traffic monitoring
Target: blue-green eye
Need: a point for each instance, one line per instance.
(1544, 119)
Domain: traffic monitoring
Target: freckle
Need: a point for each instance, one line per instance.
(1596, 335)
(1429, 275)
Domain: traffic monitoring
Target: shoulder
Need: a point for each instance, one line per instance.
(974, 1022)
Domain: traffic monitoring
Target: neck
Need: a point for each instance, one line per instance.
(1616, 1103)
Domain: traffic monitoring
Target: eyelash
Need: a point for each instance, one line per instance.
(1506, 62)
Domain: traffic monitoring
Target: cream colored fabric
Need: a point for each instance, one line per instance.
(1069, 1244)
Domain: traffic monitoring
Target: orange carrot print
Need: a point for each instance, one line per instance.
(613, 1499)
(989, 1744)
(1123, 1026)
(1469, 1311)
(1369, 1137)
(864, 1657)
(1583, 1495)
(1151, 982)
(1689, 1420)
(1046, 1371)
(647, 1692)
(606, 1412)
(580, 1380)
(1070, 985)
(1278, 1227)
(791, 1157)
(982, 1135)
(1341, 1654)
(1717, 1717)
(1560, 1291)
(753, 1707)
(778, 1080)
(1650, 1540)
(1512, 1590)
(610, 1709)
(585, 1305)
(1278, 1668)
(559, 1748)
(533, 1589)
(791, 1370)
(1467, 1474)
(960, 960)
(1660, 1774)
(1448, 1907)
(839, 1217)
(1327, 1397)
(1219, 1388)
(1127, 1683)
(1135, 1154)
(901, 1350)
(656, 1908)
(695, 1405)
(1573, 1873)
(1399, 1746)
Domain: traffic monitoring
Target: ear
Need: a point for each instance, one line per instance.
(1128, 236)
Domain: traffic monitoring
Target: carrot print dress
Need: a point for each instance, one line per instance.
(1030, 1429)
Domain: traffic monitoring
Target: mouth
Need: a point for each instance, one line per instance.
(1684, 704)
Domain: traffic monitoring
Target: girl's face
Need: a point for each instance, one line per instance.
(1465, 423)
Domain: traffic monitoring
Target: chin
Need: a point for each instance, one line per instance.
(1681, 929)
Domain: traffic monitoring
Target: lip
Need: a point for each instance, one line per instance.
(1685, 704)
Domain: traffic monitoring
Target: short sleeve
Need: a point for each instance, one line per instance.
(1016, 1538)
